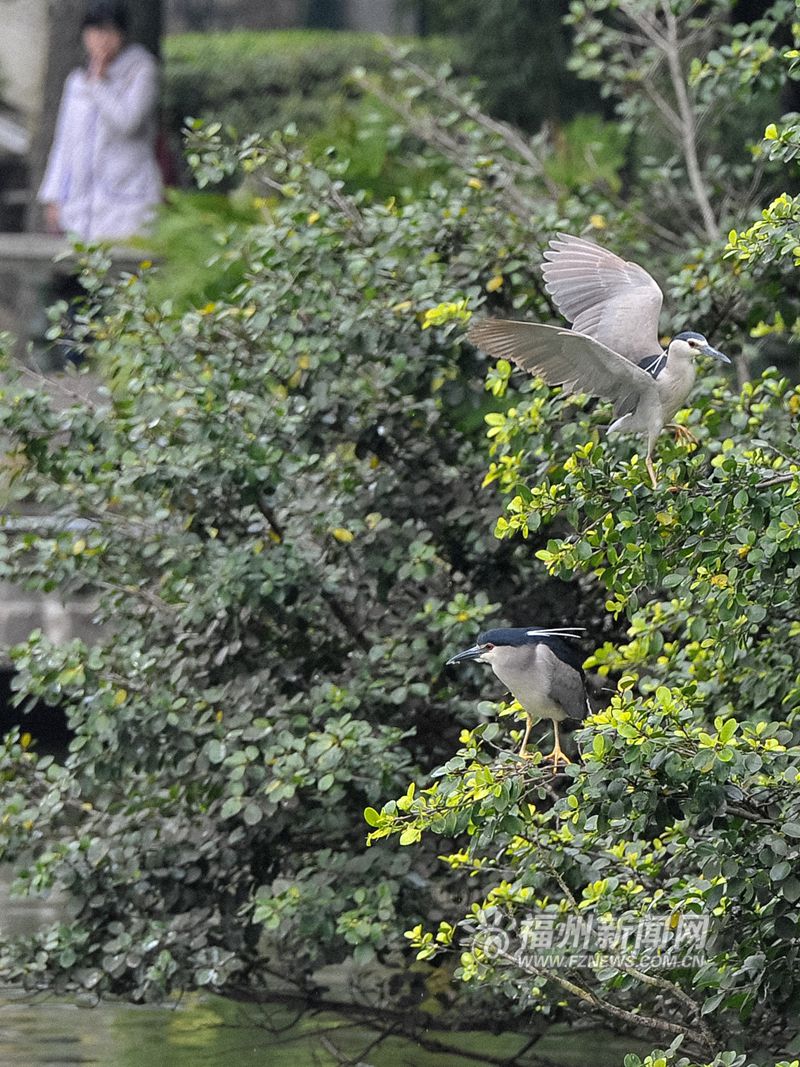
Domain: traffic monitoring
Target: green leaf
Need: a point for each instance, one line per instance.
(253, 814)
(780, 870)
(215, 750)
(232, 806)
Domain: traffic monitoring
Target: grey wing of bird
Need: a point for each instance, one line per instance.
(566, 686)
(563, 357)
(604, 296)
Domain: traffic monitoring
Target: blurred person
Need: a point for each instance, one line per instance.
(102, 179)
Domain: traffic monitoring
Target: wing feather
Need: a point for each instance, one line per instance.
(563, 357)
(566, 683)
(610, 299)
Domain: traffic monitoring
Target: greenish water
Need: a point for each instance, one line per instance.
(206, 1031)
(212, 1032)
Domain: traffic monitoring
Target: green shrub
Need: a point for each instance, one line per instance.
(279, 500)
(684, 803)
(258, 82)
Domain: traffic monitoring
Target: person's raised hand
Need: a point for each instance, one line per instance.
(52, 218)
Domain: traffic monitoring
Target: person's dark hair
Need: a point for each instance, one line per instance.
(106, 13)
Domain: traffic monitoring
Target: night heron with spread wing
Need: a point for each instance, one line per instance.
(542, 670)
(613, 349)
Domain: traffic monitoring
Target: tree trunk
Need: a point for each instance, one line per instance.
(64, 52)
(147, 18)
(325, 14)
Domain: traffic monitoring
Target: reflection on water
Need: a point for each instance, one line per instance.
(212, 1032)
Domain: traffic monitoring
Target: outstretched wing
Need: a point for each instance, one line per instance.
(563, 357)
(608, 298)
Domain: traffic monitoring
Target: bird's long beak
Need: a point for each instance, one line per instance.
(468, 653)
(707, 350)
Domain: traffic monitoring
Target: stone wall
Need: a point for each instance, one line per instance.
(21, 612)
(23, 55)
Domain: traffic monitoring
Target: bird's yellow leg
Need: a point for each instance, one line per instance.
(558, 755)
(683, 433)
(525, 736)
(651, 471)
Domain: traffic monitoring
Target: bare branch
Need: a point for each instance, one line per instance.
(428, 130)
(779, 479)
(675, 991)
(508, 133)
(671, 50)
(632, 1018)
(669, 115)
(647, 27)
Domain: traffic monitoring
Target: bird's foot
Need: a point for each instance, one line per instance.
(683, 433)
(558, 755)
(652, 472)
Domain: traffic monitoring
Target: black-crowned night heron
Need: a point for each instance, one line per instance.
(613, 348)
(541, 669)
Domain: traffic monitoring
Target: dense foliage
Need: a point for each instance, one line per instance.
(687, 796)
(282, 500)
(258, 81)
(276, 497)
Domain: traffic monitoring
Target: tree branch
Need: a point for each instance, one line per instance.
(340, 613)
(586, 996)
(688, 135)
(509, 134)
(428, 131)
(778, 479)
(674, 991)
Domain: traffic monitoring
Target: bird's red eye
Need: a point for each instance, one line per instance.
(488, 647)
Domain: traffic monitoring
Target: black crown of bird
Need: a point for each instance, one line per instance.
(612, 347)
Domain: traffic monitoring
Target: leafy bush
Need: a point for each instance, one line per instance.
(258, 82)
(279, 499)
(188, 241)
(687, 796)
(686, 799)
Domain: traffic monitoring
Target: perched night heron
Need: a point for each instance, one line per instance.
(541, 669)
(613, 348)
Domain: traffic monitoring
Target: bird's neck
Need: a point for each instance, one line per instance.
(676, 381)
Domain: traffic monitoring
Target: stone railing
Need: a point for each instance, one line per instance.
(30, 265)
